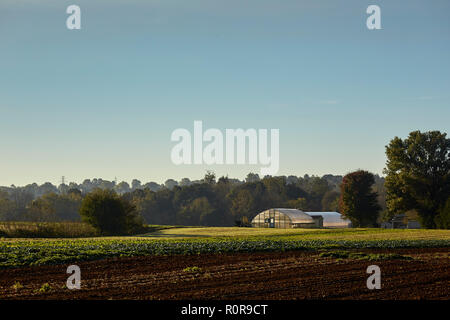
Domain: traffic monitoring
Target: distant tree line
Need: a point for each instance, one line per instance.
(209, 202)
(417, 181)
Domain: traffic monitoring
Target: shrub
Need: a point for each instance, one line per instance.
(110, 214)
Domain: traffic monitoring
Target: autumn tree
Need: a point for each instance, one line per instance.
(358, 201)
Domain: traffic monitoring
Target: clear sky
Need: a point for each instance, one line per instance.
(103, 101)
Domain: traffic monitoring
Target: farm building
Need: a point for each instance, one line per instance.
(332, 219)
(285, 218)
(401, 221)
(294, 218)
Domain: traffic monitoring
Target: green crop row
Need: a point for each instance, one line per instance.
(29, 253)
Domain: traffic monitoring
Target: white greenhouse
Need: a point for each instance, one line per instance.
(284, 218)
(294, 218)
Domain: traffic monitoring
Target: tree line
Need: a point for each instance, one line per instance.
(209, 201)
(417, 180)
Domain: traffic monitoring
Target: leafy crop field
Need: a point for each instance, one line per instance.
(299, 234)
(193, 241)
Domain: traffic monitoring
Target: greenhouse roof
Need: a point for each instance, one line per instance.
(296, 216)
(330, 217)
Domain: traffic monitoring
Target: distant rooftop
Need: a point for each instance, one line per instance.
(330, 218)
(296, 216)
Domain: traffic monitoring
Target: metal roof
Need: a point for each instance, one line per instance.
(296, 216)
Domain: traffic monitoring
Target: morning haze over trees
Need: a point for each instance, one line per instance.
(208, 202)
(417, 182)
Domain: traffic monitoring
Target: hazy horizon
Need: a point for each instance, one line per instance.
(143, 181)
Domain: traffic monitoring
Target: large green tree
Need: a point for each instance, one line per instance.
(418, 175)
(358, 201)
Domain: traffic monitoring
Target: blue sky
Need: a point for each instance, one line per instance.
(103, 101)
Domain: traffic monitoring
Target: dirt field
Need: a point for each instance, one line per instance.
(289, 275)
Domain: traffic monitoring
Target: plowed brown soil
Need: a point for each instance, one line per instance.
(285, 276)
